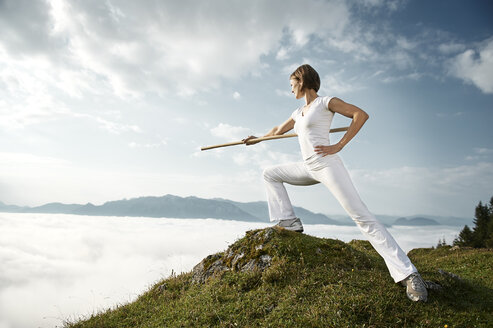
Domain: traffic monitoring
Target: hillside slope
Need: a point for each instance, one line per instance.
(277, 278)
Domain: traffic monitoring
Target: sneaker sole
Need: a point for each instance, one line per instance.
(296, 227)
(417, 298)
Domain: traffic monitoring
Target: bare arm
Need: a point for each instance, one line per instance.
(275, 131)
(359, 117)
(281, 129)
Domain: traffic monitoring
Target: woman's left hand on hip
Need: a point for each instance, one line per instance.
(328, 150)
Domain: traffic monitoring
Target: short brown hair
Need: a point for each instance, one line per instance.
(308, 76)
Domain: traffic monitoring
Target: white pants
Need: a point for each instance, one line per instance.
(332, 173)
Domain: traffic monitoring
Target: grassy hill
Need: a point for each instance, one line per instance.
(277, 278)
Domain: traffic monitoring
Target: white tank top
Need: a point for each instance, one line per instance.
(313, 127)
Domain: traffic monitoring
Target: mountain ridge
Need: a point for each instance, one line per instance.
(416, 221)
(172, 206)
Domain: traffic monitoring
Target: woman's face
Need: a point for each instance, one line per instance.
(296, 88)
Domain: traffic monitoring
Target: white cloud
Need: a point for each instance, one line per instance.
(392, 5)
(282, 54)
(147, 145)
(22, 21)
(438, 190)
(21, 159)
(335, 84)
(137, 145)
(480, 154)
(396, 4)
(104, 262)
(401, 58)
(368, 42)
(233, 133)
(259, 155)
(262, 155)
(236, 95)
(483, 151)
(405, 43)
(116, 128)
(373, 3)
(411, 76)
(475, 66)
(283, 93)
(58, 56)
(446, 180)
(111, 127)
(24, 98)
(181, 120)
(360, 49)
(162, 47)
(451, 48)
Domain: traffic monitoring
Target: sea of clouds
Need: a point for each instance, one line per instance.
(57, 267)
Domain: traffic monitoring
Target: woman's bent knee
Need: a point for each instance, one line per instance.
(268, 174)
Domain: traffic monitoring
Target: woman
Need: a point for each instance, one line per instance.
(321, 164)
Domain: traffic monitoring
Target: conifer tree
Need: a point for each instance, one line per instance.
(480, 231)
(465, 237)
(489, 235)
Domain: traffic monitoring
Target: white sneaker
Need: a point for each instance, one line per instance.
(415, 287)
(291, 224)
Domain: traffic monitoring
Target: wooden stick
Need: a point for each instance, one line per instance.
(267, 138)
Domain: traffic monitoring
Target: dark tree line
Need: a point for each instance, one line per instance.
(481, 234)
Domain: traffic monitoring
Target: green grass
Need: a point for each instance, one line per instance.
(315, 282)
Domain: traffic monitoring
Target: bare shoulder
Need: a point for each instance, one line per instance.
(338, 105)
(335, 103)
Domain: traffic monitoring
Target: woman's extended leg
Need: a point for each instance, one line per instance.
(280, 207)
(338, 181)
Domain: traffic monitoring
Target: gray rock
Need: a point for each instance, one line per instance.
(449, 274)
(200, 273)
(236, 258)
(268, 234)
(265, 261)
(250, 266)
(215, 264)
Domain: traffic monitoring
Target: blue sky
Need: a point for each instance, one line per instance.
(104, 100)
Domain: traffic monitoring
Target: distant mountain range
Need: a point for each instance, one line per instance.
(415, 222)
(170, 206)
